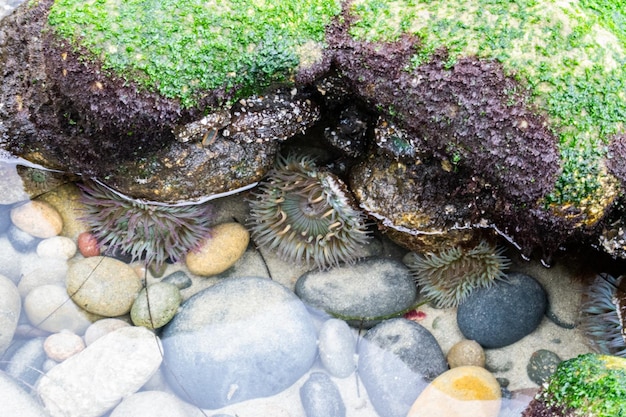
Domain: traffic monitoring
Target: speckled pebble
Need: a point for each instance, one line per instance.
(59, 247)
(460, 392)
(103, 285)
(102, 327)
(466, 353)
(37, 218)
(88, 245)
(225, 245)
(63, 345)
(49, 308)
(178, 278)
(542, 365)
(337, 348)
(321, 398)
(156, 305)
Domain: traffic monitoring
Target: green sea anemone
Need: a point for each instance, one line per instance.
(449, 276)
(307, 215)
(147, 231)
(603, 315)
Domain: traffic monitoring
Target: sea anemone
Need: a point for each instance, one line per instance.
(148, 231)
(449, 276)
(307, 215)
(604, 311)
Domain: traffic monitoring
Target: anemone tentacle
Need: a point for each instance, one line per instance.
(307, 215)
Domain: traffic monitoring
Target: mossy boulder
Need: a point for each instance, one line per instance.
(589, 385)
(519, 105)
(179, 98)
(523, 100)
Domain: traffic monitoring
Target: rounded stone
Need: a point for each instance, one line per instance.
(38, 219)
(153, 404)
(101, 328)
(16, 401)
(239, 339)
(63, 345)
(103, 285)
(53, 272)
(460, 392)
(542, 364)
(337, 348)
(320, 397)
(88, 245)
(22, 241)
(363, 293)
(59, 247)
(178, 278)
(49, 308)
(226, 243)
(397, 359)
(66, 199)
(10, 308)
(503, 313)
(466, 353)
(92, 382)
(156, 305)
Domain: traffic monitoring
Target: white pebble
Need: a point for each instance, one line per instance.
(49, 308)
(337, 348)
(59, 247)
(63, 345)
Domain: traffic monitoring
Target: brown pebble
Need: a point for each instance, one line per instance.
(466, 353)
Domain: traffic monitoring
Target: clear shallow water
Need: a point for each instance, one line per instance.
(508, 363)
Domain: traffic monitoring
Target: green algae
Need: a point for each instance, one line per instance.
(569, 55)
(590, 384)
(183, 48)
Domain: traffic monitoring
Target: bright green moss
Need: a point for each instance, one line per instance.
(571, 55)
(593, 385)
(181, 48)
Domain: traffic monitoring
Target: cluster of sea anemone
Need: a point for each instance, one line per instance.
(307, 215)
(448, 277)
(604, 312)
(149, 232)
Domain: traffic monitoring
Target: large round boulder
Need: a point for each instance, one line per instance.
(240, 339)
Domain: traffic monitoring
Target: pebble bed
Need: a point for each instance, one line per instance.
(235, 331)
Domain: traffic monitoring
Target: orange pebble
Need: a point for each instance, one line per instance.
(88, 245)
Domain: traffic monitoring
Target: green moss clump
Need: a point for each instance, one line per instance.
(570, 56)
(590, 385)
(182, 48)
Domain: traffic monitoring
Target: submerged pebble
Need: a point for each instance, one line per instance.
(223, 247)
(237, 341)
(503, 313)
(63, 345)
(337, 348)
(156, 305)
(397, 360)
(10, 308)
(363, 293)
(95, 380)
(49, 308)
(38, 219)
(460, 392)
(466, 353)
(321, 398)
(58, 247)
(103, 285)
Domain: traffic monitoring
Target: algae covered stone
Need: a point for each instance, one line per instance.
(588, 385)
